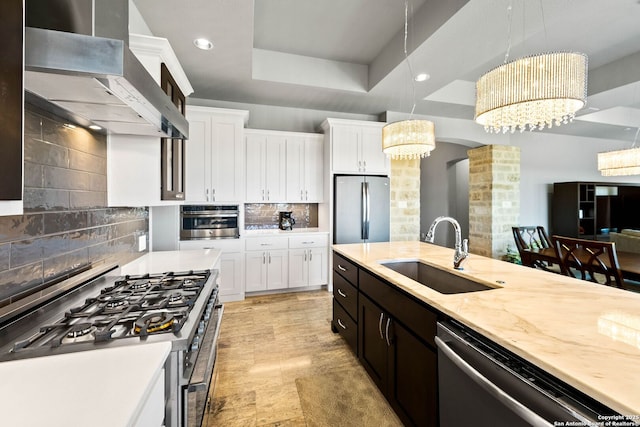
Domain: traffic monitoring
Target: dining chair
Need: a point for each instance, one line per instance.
(591, 260)
(529, 238)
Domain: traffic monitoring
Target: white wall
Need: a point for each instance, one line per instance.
(547, 158)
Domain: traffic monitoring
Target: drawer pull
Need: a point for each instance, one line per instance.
(266, 244)
(341, 268)
(342, 325)
(308, 243)
(342, 294)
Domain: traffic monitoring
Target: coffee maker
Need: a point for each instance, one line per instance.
(286, 221)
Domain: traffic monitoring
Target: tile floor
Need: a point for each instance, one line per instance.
(265, 343)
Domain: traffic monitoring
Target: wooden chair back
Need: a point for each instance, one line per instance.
(591, 260)
(531, 237)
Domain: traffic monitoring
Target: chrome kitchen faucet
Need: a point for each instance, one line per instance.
(461, 247)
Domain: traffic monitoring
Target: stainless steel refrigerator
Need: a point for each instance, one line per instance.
(361, 209)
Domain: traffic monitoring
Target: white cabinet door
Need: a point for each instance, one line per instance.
(345, 149)
(275, 171)
(373, 158)
(198, 158)
(314, 169)
(227, 160)
(317, 261)
(254, 164)
(277, 269)
(255, 271)
(214, 163)
(298, 268)
(296, 169)
(230, 280)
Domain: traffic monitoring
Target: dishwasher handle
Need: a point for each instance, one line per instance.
(508, 401)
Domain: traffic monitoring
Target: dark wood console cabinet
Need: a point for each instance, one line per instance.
(589, 210)
(395, 343)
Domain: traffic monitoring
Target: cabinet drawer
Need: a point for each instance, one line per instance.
(412, 314)
(224, 245)
(346, 295)
(345, 326)
(345, 268)
(318, 240)
(266, 243)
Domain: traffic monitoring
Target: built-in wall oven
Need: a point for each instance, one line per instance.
(485, 385)
(209, 222)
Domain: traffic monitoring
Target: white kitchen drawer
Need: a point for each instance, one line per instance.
(315, 240)
(224, 245)
(266, 243)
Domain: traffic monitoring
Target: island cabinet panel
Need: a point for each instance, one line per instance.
(345, 300)
(396, 347)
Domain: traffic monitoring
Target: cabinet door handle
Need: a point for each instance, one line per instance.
(262, 194)
(264, 258)
(342, 325)
(301, 196)
(310, 256)
(268, 198)
(342, 294)
(341, 268)
(380, 326)
(387, 331)
(206, 192)
(364, 165)
(305, 256)
(269, 257)
(306, 194)
(213, 195)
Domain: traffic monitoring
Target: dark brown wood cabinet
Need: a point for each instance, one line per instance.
(402, 364)
(172, 157)
(589, 210)
(395, 340)
(11, 99)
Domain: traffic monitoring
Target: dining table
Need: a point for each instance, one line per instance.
(629, 262)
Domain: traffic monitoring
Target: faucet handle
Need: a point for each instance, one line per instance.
(465, 246)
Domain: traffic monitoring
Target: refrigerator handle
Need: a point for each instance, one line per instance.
(367, 209)
(363, 210)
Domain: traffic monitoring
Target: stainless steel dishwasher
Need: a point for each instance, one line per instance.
(482, 384)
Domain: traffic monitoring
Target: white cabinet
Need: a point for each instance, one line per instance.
(265, 166)
(356, 146)
(308, 260)
(266, 263)
(304, 168)
(214, 169)
(231, 279)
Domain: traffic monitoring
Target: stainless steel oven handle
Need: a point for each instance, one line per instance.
(202, 382)
(495, 391)
(198, 214)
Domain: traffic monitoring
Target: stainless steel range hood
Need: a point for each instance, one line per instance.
(93, 79)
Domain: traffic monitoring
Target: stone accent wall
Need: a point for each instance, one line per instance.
(67, 225)
(405, 200)
(267, 215)
(494, 198)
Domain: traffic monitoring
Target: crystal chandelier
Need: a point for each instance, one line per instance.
(532, 92)
(621, 162)
(618, 163)
(408, 139)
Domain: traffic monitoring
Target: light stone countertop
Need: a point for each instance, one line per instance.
(586, 334)
(100, 388)
(278, 232)
(164, 261)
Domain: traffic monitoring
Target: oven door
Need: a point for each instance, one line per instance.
(196, 394)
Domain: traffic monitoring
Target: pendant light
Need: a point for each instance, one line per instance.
(621, 162)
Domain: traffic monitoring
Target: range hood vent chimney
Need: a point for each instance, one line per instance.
(77, 62)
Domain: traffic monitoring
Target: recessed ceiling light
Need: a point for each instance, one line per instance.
(203, 44)
(95, 127)
(422, 77)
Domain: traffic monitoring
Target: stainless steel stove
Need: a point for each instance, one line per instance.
(180, 307)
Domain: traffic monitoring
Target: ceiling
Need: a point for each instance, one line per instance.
(348, 55)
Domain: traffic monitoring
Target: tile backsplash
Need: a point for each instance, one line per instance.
(266, 215)
(67, 224)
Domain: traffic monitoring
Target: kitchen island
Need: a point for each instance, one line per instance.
(585, 334)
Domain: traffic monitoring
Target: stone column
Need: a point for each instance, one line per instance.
(494, 198)
(405, 200)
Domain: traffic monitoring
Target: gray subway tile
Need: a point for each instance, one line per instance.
(65, 179)
(33, 175)
(97, 182)
(41, 152)
(18, 281)
(5, 251)
(87, 199)
(58, 222)
(44, 199)
(87, 162)
(17, 227)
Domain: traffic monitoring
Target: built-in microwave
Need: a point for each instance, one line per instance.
(209, 222)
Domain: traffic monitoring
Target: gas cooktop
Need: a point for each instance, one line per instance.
(134, 306)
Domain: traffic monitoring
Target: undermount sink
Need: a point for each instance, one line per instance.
(435, 278)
